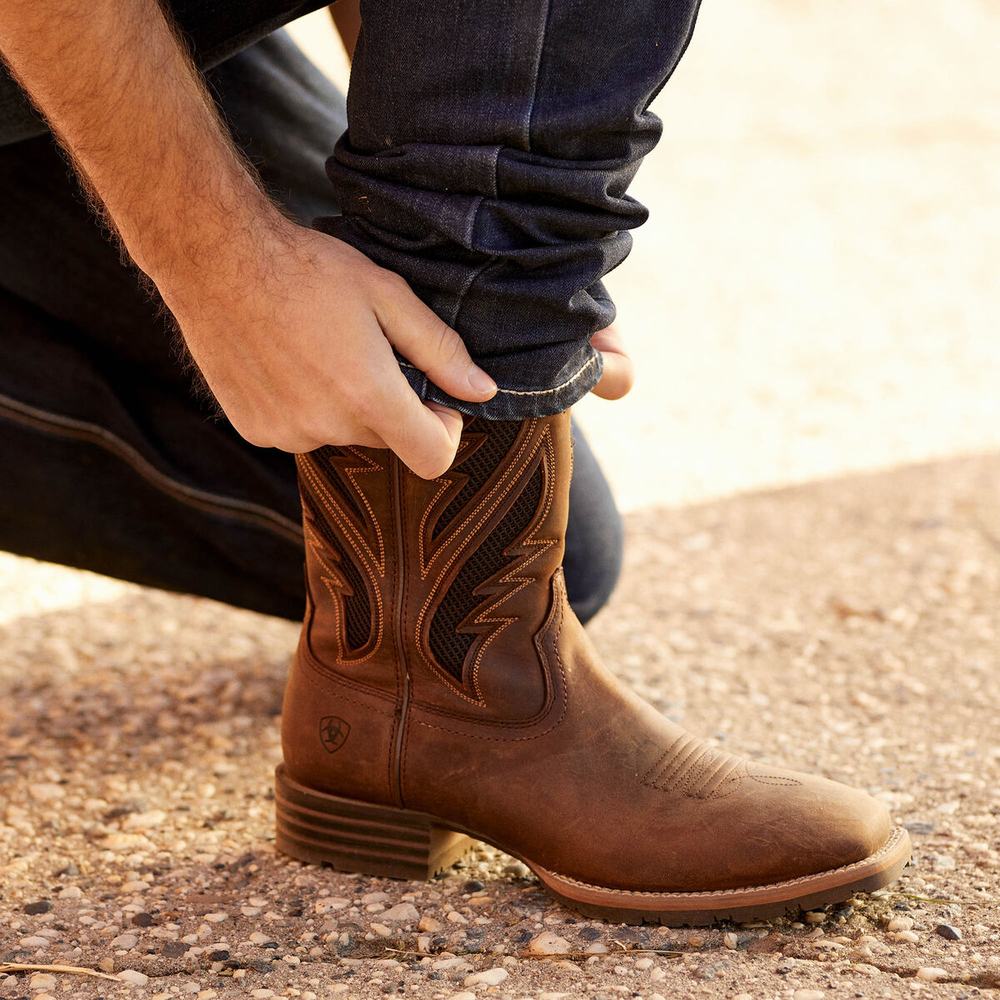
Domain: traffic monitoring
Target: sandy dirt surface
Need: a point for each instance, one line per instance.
(850, 627)
(814, 297)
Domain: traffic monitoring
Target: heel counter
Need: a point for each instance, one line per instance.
(336, 736)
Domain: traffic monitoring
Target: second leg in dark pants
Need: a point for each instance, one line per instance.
(111, 462)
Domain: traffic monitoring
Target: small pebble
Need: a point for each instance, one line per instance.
(41, 906)
(46, 791)
(405, 913)
(931, 974)
(548, 943)
(949, 932)
(134, 977)
(491, 977)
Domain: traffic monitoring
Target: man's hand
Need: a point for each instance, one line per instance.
(292, 329)
(619, 373)
(298, 351)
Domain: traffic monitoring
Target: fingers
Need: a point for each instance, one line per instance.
(425, 436)
(618, 376)
(427, 342)
(298, 442)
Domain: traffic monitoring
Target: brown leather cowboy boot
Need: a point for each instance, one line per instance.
(443, 689)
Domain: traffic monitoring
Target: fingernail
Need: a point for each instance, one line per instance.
(480, 381)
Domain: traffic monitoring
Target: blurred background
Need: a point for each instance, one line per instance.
(816, 290)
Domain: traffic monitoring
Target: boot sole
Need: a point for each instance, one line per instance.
(369, 839)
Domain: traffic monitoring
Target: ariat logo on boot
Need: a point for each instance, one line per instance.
(333, 731)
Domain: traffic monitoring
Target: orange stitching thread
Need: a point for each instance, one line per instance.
(459, 479)
(509, 473)
(336, 594)
(514, 473)
(559, 602)
(541, 545)
(364, 552)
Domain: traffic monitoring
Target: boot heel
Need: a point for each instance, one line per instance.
(361, 837)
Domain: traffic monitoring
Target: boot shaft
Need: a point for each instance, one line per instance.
(425, 594)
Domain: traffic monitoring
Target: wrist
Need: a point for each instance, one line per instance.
(221, 247)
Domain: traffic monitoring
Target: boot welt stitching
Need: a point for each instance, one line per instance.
(894, 839)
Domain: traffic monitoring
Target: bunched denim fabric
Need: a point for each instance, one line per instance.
(489, 150)
(490, 147)
(109, 460)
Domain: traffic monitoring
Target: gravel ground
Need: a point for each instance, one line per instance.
(849, 626)
(815, 295)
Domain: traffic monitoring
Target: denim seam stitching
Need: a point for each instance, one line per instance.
(535, 392)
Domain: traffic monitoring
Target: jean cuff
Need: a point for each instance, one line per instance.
(512, 402)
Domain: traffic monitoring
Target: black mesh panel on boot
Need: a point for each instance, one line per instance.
(357, 607)
(500, 436)
(449, 645)
(324, 460)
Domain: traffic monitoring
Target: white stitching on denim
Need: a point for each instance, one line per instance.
(533, 392)
(562, 385)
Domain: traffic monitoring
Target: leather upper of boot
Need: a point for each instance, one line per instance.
(439, 639)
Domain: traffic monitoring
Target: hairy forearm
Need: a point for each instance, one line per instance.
(123, 98)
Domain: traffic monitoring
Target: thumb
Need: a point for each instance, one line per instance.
(427, 342)
(619, 372)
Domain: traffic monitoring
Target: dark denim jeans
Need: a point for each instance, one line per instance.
(109, 460)
(490, 148)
